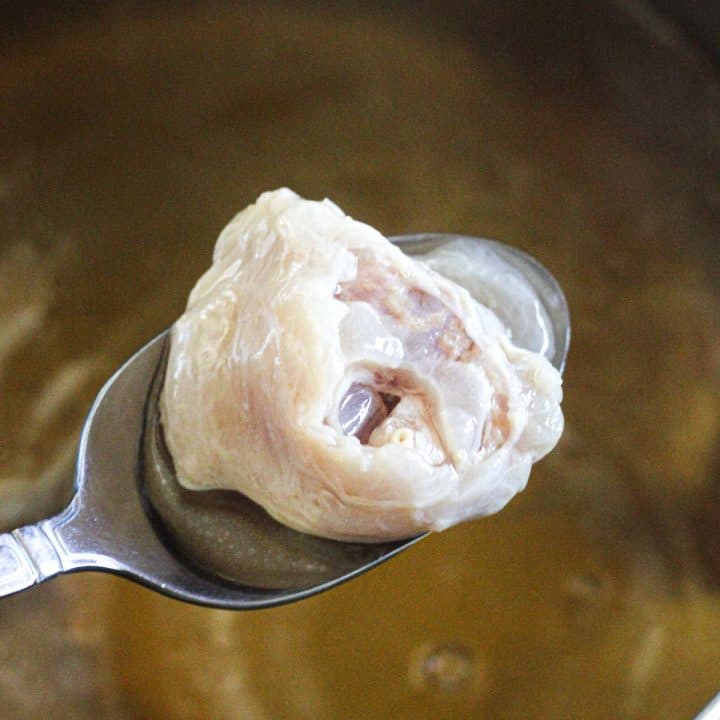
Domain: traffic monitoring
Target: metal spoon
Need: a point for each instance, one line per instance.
(711, 711)
(107, 525)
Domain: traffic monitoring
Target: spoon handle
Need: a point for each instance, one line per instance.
(28, 556)
(712, 711)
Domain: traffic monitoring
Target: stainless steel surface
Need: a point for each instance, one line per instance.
(712, 711)
(107, 527)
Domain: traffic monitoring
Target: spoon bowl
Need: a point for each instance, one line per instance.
(111, 525)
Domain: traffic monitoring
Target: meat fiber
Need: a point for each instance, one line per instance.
(349, 389)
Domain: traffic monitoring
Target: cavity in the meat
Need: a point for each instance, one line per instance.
(362, 409)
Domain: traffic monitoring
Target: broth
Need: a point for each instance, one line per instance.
(130, 138)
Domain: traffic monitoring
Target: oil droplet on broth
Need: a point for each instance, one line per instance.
(448, 668)
(584, 593)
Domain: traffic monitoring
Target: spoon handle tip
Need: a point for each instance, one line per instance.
(27, 557)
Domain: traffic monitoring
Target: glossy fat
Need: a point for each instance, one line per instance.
(351, 391)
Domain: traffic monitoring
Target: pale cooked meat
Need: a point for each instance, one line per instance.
(350, 390)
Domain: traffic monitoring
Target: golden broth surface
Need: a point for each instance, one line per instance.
(127, 143)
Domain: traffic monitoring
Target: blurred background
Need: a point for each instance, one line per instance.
(587, 134)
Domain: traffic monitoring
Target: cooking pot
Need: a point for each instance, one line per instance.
(586, 134)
